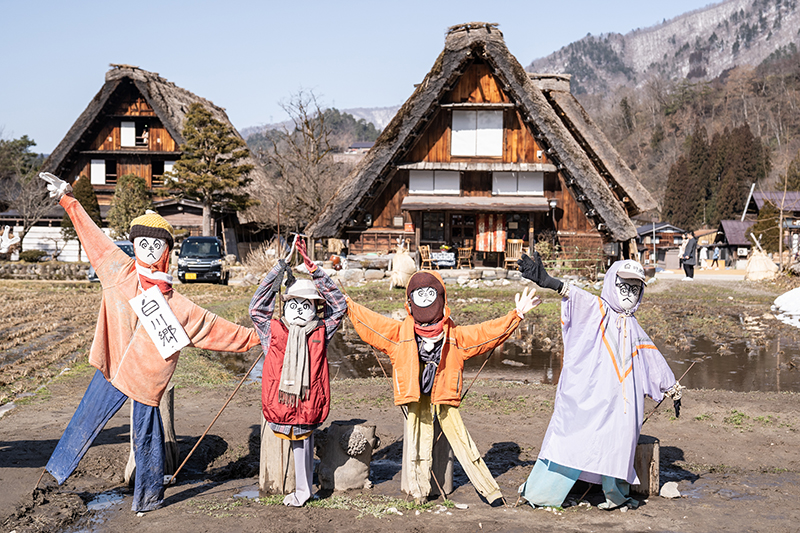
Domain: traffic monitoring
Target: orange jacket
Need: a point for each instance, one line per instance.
(396, 339)
(122, 350)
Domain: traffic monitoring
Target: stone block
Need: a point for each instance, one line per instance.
(351, 275)
(374, 274)
(345, 453)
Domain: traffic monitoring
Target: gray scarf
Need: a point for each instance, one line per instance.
(296, 372)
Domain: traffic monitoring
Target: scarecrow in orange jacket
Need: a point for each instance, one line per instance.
(427, 351)
(141, 326)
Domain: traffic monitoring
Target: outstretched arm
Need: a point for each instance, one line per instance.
(335, 304)
(375, 329)
(262, 306)
(533, 269)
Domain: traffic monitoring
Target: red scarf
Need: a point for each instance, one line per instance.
(158, 277)
(430, 331)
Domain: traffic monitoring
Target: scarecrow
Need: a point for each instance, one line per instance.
(295, 390)
(428, 351)
(610, 364)
(140, 330)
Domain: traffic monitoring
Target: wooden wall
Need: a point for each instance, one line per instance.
(387, 205)
(477, 86)
(159, 139)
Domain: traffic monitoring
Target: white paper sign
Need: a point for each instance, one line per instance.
(160, 322)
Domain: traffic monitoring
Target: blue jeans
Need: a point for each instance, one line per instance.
(100, 402)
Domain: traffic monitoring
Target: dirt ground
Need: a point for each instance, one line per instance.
(734, 455)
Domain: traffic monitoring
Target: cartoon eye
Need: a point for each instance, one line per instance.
(157, 244)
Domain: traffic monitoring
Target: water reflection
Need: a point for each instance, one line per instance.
(769, 365)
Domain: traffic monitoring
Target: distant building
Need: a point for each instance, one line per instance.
(481, 153)
(666, 237)
(360, 147)
(134, 125)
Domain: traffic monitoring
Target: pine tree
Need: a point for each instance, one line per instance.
(210, 170)
(131, 199)
(84, 192)
(676, 209)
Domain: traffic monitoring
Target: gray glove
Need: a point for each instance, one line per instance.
(533, 269)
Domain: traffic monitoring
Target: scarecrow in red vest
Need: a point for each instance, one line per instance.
(295, 390)
(141, 328)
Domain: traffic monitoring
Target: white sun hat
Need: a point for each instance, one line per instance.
(631, 269)
(302, 288)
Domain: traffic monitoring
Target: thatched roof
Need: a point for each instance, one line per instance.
(463, 44)
(169, 102)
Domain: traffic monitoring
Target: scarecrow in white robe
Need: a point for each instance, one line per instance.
(610, 364)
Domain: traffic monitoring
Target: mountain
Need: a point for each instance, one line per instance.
(698, 45)
(379, 116)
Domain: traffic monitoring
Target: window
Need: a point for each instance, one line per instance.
(462, 229)
(157, 174)
(98, 172)
(432, 227)
(677, 240)
(111, 172)
(127, 134)
(434, 182)
(518, 183)
(477, 133)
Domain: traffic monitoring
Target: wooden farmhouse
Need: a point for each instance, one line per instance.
(134, 125)
(483, 152)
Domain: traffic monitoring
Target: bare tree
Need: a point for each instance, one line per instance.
(303, 173)
(20, 189)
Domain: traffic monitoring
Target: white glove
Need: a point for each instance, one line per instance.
(55, 185)
(675, 392)
(526, 301)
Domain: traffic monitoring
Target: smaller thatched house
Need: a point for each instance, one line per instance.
(484, 152)
(134, 125)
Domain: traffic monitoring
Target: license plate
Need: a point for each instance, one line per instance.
(191, 275)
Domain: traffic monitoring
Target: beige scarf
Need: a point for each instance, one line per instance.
(296, 371)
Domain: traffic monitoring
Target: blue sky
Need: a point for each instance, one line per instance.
(249, 56)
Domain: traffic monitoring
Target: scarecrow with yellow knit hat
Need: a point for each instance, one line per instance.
(140, 330)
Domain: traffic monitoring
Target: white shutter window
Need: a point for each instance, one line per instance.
(463, 132)
(447, 182)
(127, 134)
(420, 182)
(530, 183)
(98, 172)
(504, 183)
(168, 166)
(489, 135)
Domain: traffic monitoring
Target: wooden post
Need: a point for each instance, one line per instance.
(171, 451)
(417, 221)
(276, 468)
(531, 241)
(646, 464)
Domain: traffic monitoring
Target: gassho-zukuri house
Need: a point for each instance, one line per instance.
(483, 152)
(134, 125)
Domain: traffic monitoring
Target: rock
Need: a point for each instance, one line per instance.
(475, 274)
(373, 274)
(489, 283)
(351, 275)
(670, 490)
(501, 273)
(489, 274)
(514, 275)
(505, 282)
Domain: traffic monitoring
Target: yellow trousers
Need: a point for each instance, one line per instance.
(419, 431)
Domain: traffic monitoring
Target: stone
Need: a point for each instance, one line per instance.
(351, 275)
(501, 273)
(514, 275)
(374, 274)
(489, 274)
(670, 490)
(488, 283)
(345, 452)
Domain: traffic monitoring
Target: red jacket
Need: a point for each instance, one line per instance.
(315, 409)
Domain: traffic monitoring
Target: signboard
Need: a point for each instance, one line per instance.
(159, 322)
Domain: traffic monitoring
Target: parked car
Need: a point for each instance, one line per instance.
(202, 259)
(125, 246)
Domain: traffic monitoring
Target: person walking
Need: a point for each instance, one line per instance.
(715, 258)
(689, 256)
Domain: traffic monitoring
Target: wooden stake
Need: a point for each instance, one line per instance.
(662, 399)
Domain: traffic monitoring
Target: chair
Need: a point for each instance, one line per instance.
(513, 252)
(465, 257)
(425, 257)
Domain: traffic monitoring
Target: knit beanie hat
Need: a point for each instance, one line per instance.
(434, 312)
(151, 224)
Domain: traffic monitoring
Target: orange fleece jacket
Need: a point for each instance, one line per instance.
(122, 350)
(396, 339)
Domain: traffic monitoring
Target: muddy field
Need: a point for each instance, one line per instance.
(734, 454)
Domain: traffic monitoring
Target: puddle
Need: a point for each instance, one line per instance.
(104, 500)
(251, 492)
(6, 408)
(771, 365)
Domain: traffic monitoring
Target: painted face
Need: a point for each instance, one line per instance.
(628, 291)
(149, 250)
(424, 296)
(299, 311)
